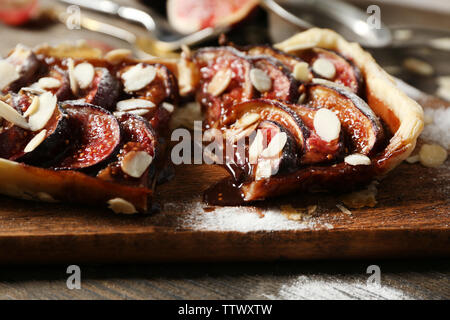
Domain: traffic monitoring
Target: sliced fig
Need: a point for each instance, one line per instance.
(284, 87)
(224, 81)
(138, 136)
(27, 65)
(356, 117)
(316, 149)
(188, 16)
(55, 142)
(103, 91)
(346, 73)
(272, 111)
(95, 136)
(286, 59)
(61, 91)
(276, 157)
(52, 145)
(154, 82)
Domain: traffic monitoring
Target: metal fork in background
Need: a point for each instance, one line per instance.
(164, 37)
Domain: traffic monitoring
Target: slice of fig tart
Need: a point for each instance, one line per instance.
(82, 127)
(311, 113)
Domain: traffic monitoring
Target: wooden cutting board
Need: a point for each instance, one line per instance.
(411, 219)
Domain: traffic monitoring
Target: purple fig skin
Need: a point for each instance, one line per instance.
(55, 145)
(137, 135)
(95, 136)
(276, 111)
(344, 67)
(29, 67)
(366, 130)
(286, 59)
(106, 90)
(290, 156)
(284, 85)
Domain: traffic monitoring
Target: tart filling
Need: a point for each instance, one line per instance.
(84, 122)
(324, 116)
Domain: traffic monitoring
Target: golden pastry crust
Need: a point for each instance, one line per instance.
(403, 115)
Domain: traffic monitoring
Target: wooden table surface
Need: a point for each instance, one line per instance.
(400, 279)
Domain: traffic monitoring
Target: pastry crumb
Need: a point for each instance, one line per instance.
(432, 155)
(362, 198)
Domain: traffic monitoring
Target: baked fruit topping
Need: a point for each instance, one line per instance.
(306, 118)
(66, 109)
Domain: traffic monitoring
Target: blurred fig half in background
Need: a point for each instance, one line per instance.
(17, 12)
(188, 16)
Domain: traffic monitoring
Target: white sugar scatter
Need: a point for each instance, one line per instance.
(439, 130)
(318, 287)
(242, 219)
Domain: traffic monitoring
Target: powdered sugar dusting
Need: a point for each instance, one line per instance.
(317, 287)
(242, 219)
(439, 130)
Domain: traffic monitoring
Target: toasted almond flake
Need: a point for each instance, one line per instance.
(236, 134)
(432, 155)
(299, 47)
(119, 205)
(357, 159)
(275, 146)
(138, 77)
(220, 82)
(441, 43)
(8, 74)
(443, 81)
(137, 112)
(413, 159)
(327, 125)
(256, 147)
(118, 55)
(247, 120)
(302, 98)
(264, 169)
(33, 107)
(33, 90)
(168, 107)
(36, 141)
(301, 72)
(260, 80)
(72, 80)
(418, 66)
(49, 83)
(443, 92)
(344, 209)
(10, 114)
(324, 67)
(134, 163)
(84, 74)
(47, 105)
(131, 104)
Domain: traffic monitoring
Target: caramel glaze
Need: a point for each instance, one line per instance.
(240, 187)
(338, 177)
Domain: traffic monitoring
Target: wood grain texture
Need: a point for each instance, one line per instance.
(411, 219)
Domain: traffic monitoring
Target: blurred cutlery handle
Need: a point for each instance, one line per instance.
(101, 27)
(104, 6)
(110, 7)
